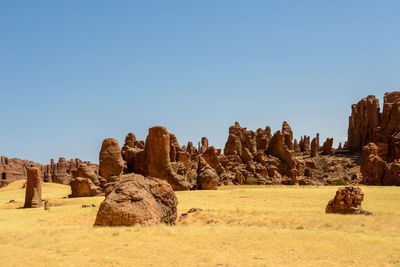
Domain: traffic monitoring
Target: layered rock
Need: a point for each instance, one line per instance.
(33, 193)
(347, 201)
(136, 199)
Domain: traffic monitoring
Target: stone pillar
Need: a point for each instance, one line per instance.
(33, 193)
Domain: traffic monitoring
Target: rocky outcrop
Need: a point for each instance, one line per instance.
(84, 187)
(110, 159)
(364, 120)
(314, 148)
(378, 135)
(33, 193)
(157, 159)
(327, 147)
(375, 170)
(207, 178)
(138, 200)
(61, 172)
(347, 201)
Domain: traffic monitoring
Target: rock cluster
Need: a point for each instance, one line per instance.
(377, 135)
(136, 199)
(61, 172)
(347, 201)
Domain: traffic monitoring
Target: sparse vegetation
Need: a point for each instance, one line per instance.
(340, 182)
(239, 226)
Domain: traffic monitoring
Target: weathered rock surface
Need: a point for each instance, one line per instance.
(110, 159)
(207, 178)
(136, 199)
(33, 193)
(84, 187)
(327, 147)
(157, 158)
(347, 201)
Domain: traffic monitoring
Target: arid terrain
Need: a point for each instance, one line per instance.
(238, 226)
(265, 199)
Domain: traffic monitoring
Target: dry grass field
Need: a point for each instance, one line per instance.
(239, 226)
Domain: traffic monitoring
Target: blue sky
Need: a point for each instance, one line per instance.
(75, 72)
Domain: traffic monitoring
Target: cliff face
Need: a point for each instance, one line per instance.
(367, 124)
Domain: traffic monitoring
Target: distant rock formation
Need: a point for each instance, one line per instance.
(61, 172)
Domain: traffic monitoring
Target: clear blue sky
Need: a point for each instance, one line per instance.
(75, 72)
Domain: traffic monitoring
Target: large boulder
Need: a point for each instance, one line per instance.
(347, 201)
(157, 158)
(111, 162)
(33, 193)
(136, 199)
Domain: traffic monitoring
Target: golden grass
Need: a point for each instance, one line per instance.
(239, 226)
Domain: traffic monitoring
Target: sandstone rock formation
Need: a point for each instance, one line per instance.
(327, 147)
(207, 178)
(375, 170)
(84, 187)
(138, 200)
(61, 172)
(378, 135)
(314, 148)
(347, 201)
(33, 193)
(157, 158)
(110, 159)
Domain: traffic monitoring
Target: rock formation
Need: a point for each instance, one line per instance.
(157, 159)
(314, 148)
(207, 178)
(138, 200)
(33, 193)
(347, 201)
(110, 159)
(327, 147)
(378, 136)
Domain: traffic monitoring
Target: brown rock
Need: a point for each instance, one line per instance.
(364, 120)
(84, 187)
(314, 148)
(207, 178)
(33, 193)
(111, 162)
(373, 168)
(327, 147)
(157, 158)
(347, 201)
(204, 144)
(138, 200)
(288, 134)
